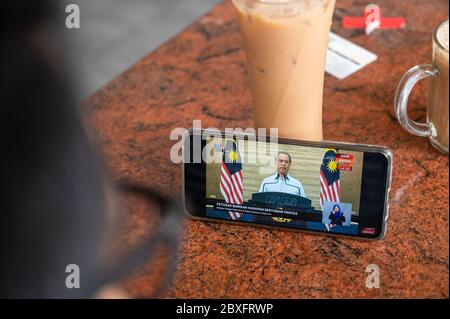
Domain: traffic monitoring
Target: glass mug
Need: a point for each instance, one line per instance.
(436, 127)
(285, 44)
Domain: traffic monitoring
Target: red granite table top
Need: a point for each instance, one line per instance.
(201, 74)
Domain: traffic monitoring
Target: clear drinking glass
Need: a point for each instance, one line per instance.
(286, 43)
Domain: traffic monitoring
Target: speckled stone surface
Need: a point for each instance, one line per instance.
(200, 74)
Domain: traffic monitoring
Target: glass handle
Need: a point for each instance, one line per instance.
(404, 89)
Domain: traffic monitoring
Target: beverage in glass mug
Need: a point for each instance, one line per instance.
(286, 44)
(438, 90)
(436, 127)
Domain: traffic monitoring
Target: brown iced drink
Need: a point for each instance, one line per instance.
(285, 44)
(438, 90)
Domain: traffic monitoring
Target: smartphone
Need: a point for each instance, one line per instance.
(322, 187)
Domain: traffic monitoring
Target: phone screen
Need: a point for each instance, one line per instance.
(323, 188)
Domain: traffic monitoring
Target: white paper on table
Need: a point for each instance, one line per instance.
(345, 57)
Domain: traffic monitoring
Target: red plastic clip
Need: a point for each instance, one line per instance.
(373, 20)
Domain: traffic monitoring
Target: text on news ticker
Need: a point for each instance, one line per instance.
(224, 309)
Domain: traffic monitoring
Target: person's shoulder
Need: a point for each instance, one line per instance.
(269, 179)
(293, 180)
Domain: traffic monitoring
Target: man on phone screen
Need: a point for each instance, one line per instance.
(281, 181)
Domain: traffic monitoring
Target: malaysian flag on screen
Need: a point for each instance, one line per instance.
(330, 189)
(231, 177)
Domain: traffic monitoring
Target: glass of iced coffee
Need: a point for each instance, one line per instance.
(286, 44)
(436, 127)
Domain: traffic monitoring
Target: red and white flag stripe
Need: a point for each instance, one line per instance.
(331, 193)
(232, 189)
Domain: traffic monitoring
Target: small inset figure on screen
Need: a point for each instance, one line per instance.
(336, 216)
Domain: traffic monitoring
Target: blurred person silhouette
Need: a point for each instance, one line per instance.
(55, 207)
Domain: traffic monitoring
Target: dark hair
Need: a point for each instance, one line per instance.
(52, 191)
(339, 207)
(54, 210)
(285, 153)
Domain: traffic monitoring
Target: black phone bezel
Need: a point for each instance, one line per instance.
(375, 185)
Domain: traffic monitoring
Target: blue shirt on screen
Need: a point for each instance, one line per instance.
(276, 183)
